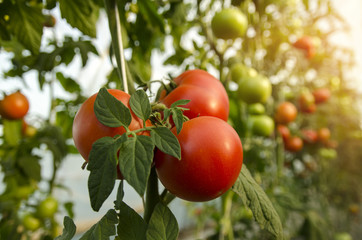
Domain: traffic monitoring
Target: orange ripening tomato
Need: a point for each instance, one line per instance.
(87, 129)
(14, 106)
(207, 94)
(211, 160)
(286, 113)
(324, 134)
(306, 44)
(294, 144)
(321, 95)
(307, 102)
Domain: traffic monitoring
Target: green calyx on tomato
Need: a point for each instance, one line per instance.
(14, 106)
(207, 95)
(262, 125)
(48, 207)
(255, 89)
(211, 160)
(229, 23)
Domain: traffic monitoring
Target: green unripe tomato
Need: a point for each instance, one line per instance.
(262, 125)
(255, 90)
(256, 109)
(229, 23)
(343, 236)
(48, 207)
(239, 71)
(31, 223)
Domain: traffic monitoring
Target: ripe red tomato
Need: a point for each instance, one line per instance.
(324, 134)
(87, 129)
(294, 144)
(211, 160)
(208, 96)
(14, 106)
(283, 131)
(321, 95)
(309, 136)
(229, 23)
(286, 112)
(306, 43)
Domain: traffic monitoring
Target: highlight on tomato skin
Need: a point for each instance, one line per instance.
(211, 160)
(206, 93)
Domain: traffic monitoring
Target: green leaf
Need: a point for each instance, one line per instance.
(120, 195)
(80, 14)
(68, 83)
(69, 229)
(178, 118)
(131, 224)
(140, 104)
(180, 103)
(103, 171)
(166, 141)
(12, 132)
(104, 229)
(110, 111)
(69, 208)
(148, 9)
(26, 23)
(31, 166)
(163, 224)
(135, 159)
(256, 199)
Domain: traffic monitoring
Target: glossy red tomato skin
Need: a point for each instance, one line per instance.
(14, 106)
(211, 160)
(87, 129)
(208, 96)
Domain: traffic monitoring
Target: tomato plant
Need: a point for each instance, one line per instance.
(293, 144)
(324, 134)
(255, 89)
(31, 223)
(306, 43)
(321, 95)
(207, 95)
(87, 129)
(229, 23)
(262, 125)
(286, 112)
(48, 207)
(14, 106)
(211, 159)
(309, 136)
(283, 131)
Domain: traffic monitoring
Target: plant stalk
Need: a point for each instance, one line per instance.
(152, 195)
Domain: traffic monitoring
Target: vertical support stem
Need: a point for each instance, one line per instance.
(121, 53)
(226, 228)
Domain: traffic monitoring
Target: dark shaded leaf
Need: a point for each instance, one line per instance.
(131, 225)
(166, 141)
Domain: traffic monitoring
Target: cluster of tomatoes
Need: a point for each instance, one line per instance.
(287, 112)
(14, 107)
(211, 150)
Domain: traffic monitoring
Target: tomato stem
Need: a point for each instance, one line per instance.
(225, 221)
